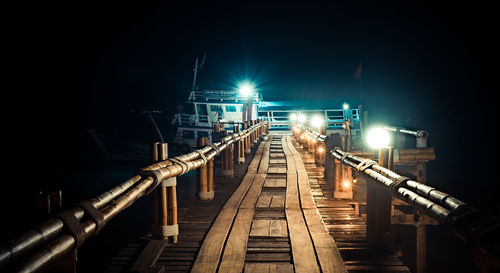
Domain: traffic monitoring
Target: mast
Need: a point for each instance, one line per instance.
(195, 73)
(196, 67)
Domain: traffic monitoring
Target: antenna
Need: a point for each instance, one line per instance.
(196, 67)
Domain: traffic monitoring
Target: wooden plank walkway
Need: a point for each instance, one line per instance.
(270, 223)
(281, 218)
(345, 224)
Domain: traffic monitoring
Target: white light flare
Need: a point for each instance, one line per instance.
(378, 138)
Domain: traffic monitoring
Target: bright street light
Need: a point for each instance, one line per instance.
(246, 89)
(316, 121)
(345, 106)
(301, 118)
(378, 138)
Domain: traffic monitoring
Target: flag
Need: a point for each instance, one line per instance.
(357, 74)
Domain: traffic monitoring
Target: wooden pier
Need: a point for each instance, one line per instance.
(272, 211)
(282, 217)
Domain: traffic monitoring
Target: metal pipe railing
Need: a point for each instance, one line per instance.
(45, 236)
(415, 133)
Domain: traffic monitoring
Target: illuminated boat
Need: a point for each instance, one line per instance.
(207, 107)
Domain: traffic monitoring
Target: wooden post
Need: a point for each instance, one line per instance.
(240, 154)
(248, 150)
(156, 218)
(343, 181)
(164, 200)
(421, 232)
(330, 143)
(210, 176)
(343, 176)
(252, 136)
(202, 174)
(321, 151)
(379, 199)
(229, 160)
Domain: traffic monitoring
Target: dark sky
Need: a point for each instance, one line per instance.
(72, 66)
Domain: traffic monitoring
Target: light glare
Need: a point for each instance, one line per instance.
(378, 138)
(246, 88)
(301, 118)
(316, 121)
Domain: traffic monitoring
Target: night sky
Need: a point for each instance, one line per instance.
(74, 66)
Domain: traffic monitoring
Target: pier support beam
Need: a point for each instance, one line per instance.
(164, 200)
(378, 226)
(343, 176)
(202, 175)
(240, 150)
(248, 149)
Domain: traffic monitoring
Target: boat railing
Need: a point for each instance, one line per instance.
(220, 95)
(193, 120)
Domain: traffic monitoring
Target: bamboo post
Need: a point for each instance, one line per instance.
(248, 149)
(210, 177)
(240, 153)
(321, 151)
(229, 161)
(255, 133)
(202, 174)
(379, 209)
(421, 230)
(162, 204)
(156, 192)
(252, 136)
(343, 181)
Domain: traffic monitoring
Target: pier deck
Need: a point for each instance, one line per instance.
(282, 217)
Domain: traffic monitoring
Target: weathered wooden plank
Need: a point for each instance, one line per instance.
(270, 183)
(292, 193)
(264, 201)
(264, 162)
(254, 192)
(260, 228)
(278, 201)
(233, 259)
(211, 250)
(254, 165)
(277, 228)
(326, 250)
(304, 257)
(148, 256)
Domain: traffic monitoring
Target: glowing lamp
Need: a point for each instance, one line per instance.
(378, 138)
(346, 184)
(316, 121)
(246, 89)
(320, 150)
(301, 118)
(345, 106)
